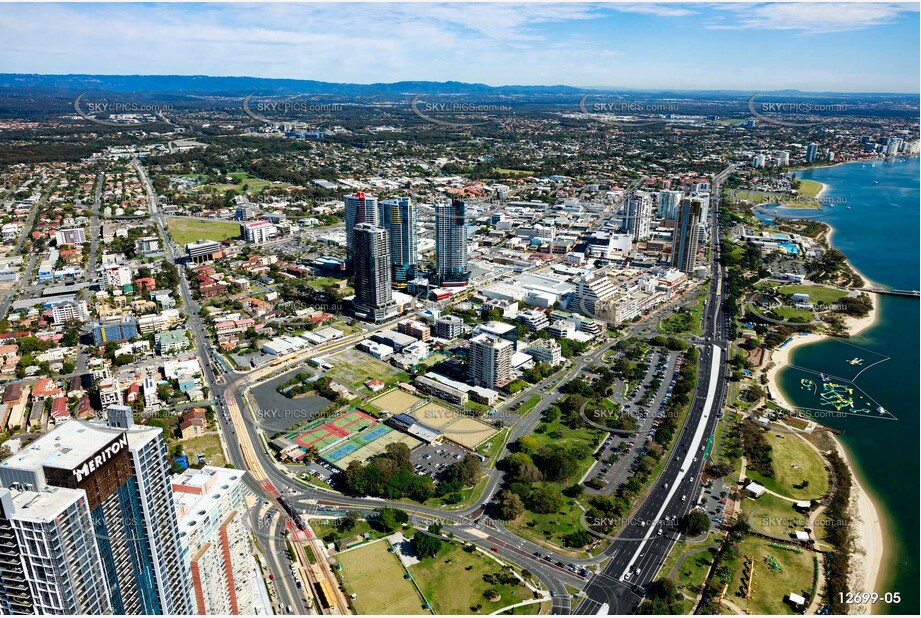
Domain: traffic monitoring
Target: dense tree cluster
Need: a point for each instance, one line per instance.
(426, 546)
(388, 475)
(857, 305)
(463, 473)
(390, 519)
(661, 599)
(756, 448)
(838, 565)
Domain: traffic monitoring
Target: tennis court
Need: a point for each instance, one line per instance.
(321, 433)
(366, 445)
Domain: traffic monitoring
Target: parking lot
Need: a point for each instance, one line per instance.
(620, 455)
(320, 470)
(713, 502)
(433, 459)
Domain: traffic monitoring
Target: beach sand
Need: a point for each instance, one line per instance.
(867, 560)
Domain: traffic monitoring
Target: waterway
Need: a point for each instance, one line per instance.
(875, 221)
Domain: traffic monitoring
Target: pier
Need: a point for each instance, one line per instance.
(912, 293)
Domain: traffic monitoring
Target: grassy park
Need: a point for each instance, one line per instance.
(453, 582)
(772, 515)
(253, 185)
(685, 320)
(778, 571)
(550, 528)
(793, 314)
(809, 188)
(799, 471)
(688, 565)
(817, 293)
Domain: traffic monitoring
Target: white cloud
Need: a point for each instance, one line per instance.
(812, 18)
(661, 10)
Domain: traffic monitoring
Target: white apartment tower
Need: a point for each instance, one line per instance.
(668, 204)
(489, 361)
(49, 559)
(451, 243)
(360, 207)
(638, 215)
(216, 548)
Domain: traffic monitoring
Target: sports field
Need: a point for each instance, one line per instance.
(368, 443)
(459, 427)
(375, 577)
(395, 401)
(184, 231)
(321, 433)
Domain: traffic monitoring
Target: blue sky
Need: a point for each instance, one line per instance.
(845, 47)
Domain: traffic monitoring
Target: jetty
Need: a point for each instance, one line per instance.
(914, 293)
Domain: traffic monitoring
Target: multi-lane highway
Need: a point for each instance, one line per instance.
(639, 551)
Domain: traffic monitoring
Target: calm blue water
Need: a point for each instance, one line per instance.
(879, 233)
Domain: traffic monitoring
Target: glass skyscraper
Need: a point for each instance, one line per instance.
(451, 243)
(398, 217)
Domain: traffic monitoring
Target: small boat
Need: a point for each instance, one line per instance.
(824, 378)
(881, 410)
(848, 207)
(876, 182)
(855, 361)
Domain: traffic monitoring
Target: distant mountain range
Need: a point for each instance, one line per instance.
(241, 86)
(235, 86)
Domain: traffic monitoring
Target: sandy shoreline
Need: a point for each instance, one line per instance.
(868, 533)
(869, 547)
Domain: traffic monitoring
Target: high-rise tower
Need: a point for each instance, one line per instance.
(684, 247)
(451, 243)
(359, 208)
(398, 217)
(371, 260)
(123, 474)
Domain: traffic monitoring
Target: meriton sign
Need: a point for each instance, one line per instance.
(96, 461)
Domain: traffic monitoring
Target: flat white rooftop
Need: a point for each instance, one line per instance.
(44, 506)
(67, 446)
